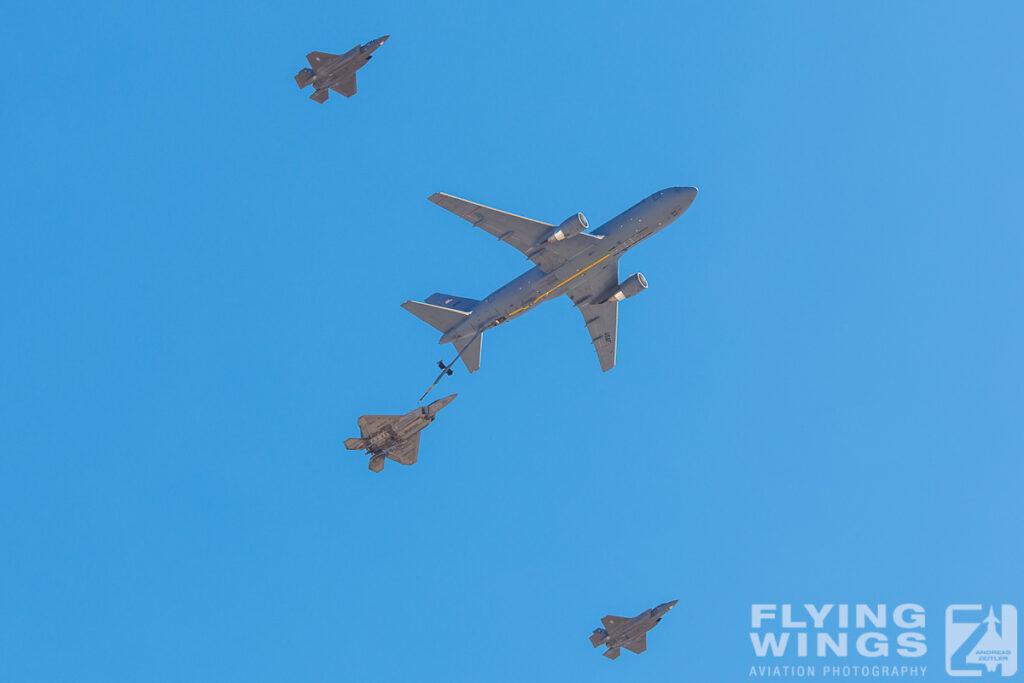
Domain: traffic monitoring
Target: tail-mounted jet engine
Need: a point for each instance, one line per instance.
(633, 285)
(570, 227)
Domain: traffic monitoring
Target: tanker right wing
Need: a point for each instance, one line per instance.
(525, 234)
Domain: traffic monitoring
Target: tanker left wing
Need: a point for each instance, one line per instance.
(588, 293)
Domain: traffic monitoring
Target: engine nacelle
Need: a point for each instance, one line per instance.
(633, 285)
(570, 227)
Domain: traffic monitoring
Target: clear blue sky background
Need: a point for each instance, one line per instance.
(818, 399)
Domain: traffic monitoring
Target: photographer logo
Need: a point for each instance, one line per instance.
(981, 640)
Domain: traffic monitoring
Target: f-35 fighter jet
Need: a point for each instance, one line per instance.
(336, 72)
(395, 436)
(582, 265)
(628, 633)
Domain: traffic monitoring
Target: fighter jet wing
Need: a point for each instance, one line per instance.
(602, 319)
(371, 424)
(638, 644)
(522, 233)
(318, 59)
(612, 623)
(407, 451)
(346, 87)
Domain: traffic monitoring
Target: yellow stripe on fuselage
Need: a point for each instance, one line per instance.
(534, 302)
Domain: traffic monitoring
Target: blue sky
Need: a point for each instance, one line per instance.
(818, 399)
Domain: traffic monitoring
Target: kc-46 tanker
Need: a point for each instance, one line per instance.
(568, 260)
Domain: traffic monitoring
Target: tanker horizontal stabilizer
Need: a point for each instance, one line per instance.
(441, 318)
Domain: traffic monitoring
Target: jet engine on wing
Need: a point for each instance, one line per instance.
(570, 227)
(633, 285)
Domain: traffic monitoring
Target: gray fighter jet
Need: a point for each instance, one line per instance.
(395, 436)
(582, 265)
(336, 72)
(628, 633)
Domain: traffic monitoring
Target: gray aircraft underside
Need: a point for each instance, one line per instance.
(336, 72)
(630, 633)
(570, 261)
(395, 437)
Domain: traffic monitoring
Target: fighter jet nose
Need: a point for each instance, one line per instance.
(440, 403)
(665, 607)
(384, 39)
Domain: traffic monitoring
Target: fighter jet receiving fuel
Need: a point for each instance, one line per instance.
(395, 436)
(584, 266)
(628, 633)
(336, 72)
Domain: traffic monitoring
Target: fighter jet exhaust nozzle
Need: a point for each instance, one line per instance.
(633, 285)
(598, 637)
(570, 227)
